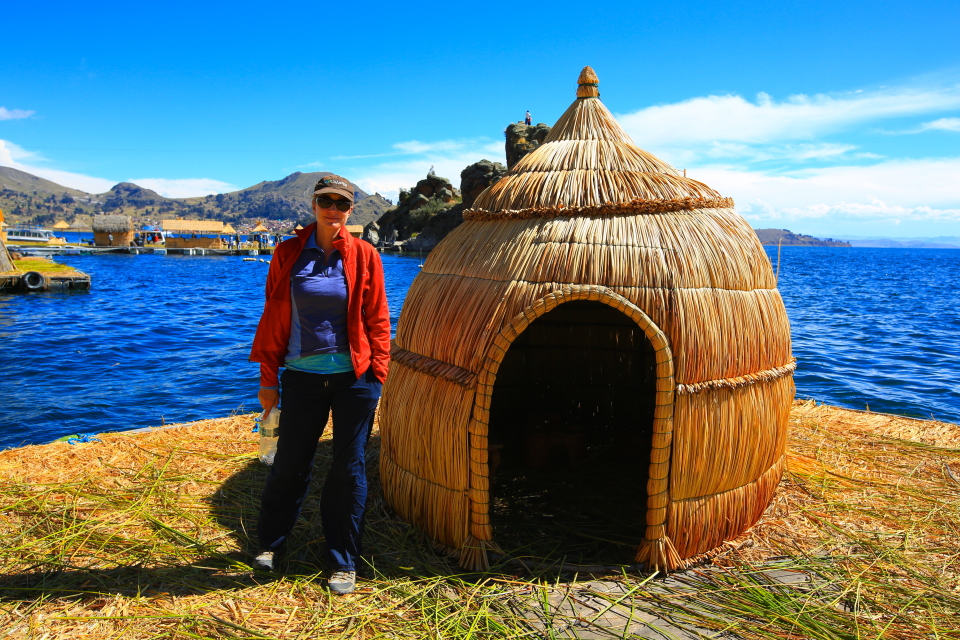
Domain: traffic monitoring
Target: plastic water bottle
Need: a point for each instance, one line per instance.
(269, 434)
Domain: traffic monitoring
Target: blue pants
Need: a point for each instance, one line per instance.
(306, 400)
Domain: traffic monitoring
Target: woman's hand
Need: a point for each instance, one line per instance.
(269, 398)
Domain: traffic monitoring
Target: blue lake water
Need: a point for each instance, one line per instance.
(163, 339)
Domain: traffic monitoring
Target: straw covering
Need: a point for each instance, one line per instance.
(112, 224)
(597, 288)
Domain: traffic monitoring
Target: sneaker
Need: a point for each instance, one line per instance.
(342, 582)
(264, 561)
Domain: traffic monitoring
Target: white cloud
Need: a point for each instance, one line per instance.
(943, 124)
(447, 157)
(906, 183)
(11, 154)
(751, 153)
(185, 188)
(440, 146)
(732, 118)
(879, 196)
(14, 114)
(772, 158)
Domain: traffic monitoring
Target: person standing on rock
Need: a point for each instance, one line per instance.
(528, 120)
(325, 320)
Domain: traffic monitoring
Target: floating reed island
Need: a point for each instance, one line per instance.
(601, 313)
(38, 274)
(147, 535)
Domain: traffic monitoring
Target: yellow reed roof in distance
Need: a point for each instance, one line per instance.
(197, 226)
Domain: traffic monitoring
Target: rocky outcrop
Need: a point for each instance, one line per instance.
(436, 188)
(477, 177)
(522, 139)
(371, 233)
(417, 206)
(473, 180)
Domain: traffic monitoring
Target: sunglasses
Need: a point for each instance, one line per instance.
(325, 203)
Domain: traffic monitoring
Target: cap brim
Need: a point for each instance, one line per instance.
(342, 192)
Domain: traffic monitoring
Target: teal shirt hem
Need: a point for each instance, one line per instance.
(325, 363)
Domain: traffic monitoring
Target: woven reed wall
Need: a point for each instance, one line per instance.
(120, 238)
(675, 258)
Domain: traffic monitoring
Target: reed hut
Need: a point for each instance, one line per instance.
(192, 234)
(112, 231)
(594, 284)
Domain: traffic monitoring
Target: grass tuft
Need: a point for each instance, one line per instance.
(147, 535)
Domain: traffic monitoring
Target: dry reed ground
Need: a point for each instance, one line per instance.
(145, 535)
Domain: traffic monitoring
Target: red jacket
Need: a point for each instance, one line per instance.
(368, 317)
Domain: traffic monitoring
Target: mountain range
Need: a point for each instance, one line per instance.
(28, 199)
(938, 242)
(787, 238)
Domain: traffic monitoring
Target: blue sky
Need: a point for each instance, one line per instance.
(828, 118)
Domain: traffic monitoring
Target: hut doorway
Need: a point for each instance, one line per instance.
(572, 420)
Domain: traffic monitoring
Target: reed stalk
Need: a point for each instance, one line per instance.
(147, 535)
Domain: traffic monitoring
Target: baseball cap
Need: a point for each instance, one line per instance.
(334, 184)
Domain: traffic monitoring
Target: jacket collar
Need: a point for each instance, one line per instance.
(343, 241)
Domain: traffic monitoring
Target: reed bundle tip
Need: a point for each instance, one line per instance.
(588, 84)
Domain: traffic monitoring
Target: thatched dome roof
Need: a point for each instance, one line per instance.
(112, 224)
(586, 164)
(588, 216)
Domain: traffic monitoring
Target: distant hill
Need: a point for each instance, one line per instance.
(20, 181)
(24, 196)
(939, 242)
(789, 239)
(27, 199)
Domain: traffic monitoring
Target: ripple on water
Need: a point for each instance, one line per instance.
(167, 337)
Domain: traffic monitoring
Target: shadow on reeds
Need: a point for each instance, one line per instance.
(178, 551)
(207, 563)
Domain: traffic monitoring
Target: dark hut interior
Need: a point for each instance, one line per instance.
(570, 435)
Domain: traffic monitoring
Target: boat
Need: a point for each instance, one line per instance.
(35, 234)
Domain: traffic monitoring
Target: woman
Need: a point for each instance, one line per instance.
(326, 321)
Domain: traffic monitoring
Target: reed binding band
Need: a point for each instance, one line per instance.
(738, 381)
(632, 208)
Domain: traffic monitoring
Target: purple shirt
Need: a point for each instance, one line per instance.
(318, 295)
